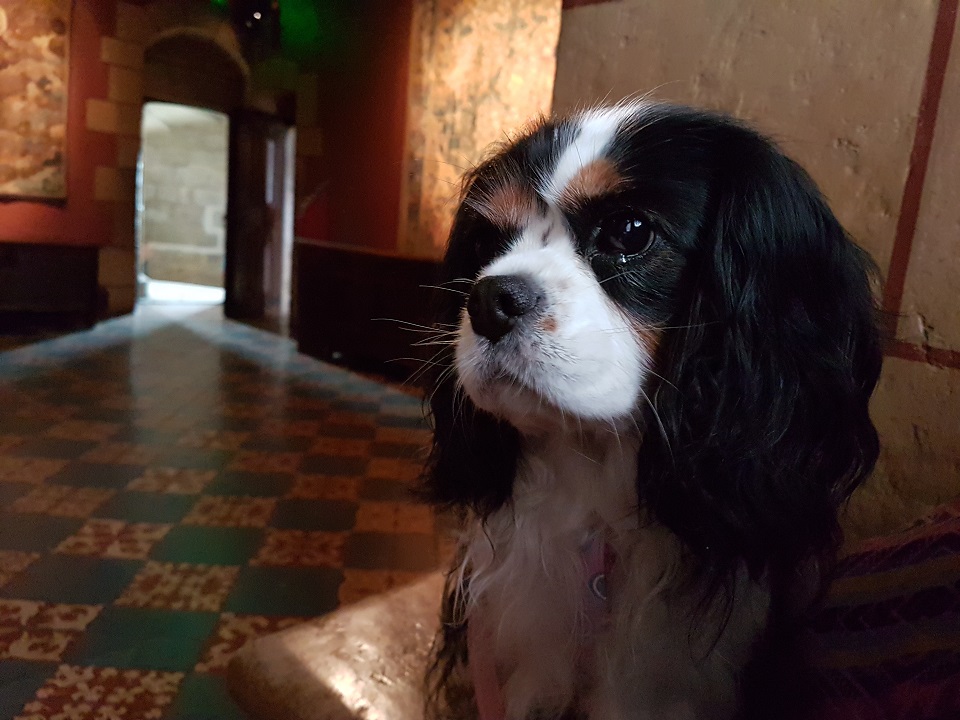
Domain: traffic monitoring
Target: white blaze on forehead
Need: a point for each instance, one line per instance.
(597, 130)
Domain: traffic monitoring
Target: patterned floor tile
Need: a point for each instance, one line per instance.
(53, 448)
(214, 439)
(13, 562)
(182, 586)
(173, 485)
(114, 539)
(83, 430)
(308, 429)
(266, 462)
(278, 443)
(344, 447)
(380, 490)
(301, 548)
(28, 469)
(120, 453)
(361, 584)
(233, 632)
(231, 511)
(394, 469)
(332, 465)
(172, 480)
(325, 487)
(394, 517)
(93, 693)
(62, 500)
(329, 515)
(8, 442)
(40, 631)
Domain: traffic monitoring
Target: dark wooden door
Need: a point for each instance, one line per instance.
(256, 205)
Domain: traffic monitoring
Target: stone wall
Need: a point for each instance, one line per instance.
(184, 155)
(853, 91)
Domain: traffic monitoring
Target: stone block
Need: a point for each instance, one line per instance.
(118, 267)
(132, 23)
(125, 85)
(114, 118)
(128, 149)
(121, 52)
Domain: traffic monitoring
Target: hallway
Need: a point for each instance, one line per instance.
(173, 484)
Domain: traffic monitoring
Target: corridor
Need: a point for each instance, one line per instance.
(173, 484)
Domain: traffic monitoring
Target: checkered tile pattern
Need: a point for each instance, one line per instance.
(173, 485)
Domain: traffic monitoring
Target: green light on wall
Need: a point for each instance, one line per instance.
(220, 4)
(307, 27)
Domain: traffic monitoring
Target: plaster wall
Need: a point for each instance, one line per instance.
(841, 87)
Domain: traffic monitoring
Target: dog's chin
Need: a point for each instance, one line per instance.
(539, 409)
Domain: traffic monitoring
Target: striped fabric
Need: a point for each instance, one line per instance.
(887, 643)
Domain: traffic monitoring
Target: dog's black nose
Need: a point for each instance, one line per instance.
(496, 303)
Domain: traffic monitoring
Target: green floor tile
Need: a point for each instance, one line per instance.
(252, 484)
(302, 592)
(36, 533)
(101, 475)
(74, 580)
(208, 545)
(135, 506)
(150, 639)
(19, 682)
(203, 697)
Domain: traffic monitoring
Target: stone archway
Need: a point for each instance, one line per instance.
(192, 67)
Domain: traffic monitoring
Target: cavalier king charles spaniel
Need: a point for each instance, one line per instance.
(649, 408)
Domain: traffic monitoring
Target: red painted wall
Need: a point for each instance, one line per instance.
(82, 220)
(363, 106)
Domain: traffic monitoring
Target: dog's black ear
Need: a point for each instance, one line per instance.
(474, 455)
(765, 426)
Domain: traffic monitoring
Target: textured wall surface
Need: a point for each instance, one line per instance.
(184, 153)
(478, 70)
(841, 86)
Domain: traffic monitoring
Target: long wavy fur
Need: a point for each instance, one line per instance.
(766, 378)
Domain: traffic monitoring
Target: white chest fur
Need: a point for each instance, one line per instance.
(526, 576)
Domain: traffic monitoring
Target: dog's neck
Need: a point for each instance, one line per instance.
(588, 476)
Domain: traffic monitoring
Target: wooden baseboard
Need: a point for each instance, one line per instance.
(48, 282)
(352, 306)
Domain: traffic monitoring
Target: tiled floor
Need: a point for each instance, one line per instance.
(171, 485)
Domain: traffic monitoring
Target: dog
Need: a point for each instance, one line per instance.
(658, 345)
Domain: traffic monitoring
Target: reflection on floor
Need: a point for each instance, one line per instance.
(173, 484)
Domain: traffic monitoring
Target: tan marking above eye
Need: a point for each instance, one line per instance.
(600, 177)
(505, 205)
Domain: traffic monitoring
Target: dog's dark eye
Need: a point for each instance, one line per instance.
(626, 234)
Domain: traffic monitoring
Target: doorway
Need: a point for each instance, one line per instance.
(181, 204)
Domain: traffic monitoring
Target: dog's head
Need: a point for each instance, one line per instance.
(655, 267)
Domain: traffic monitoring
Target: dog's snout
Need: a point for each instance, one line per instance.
(498, 301)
